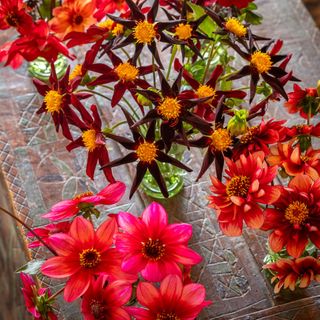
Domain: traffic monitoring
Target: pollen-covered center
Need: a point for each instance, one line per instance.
(147, 152)
(297, 212)
(98, 309)
(261, 61)
(144, 32)
(107, 24)
(234, 26)
(126, 71)
(118, 29)
(183, 31)
(153, 249)
(53, 101)
(305, 158)
(167, 316)
(249, 135)
(170, 108)
(238, 186)
(83, 194)
(205, 91)
(89, 139)
(89, 258)
(76, 72)
(221, 139)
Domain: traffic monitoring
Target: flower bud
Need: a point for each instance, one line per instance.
(238, 123)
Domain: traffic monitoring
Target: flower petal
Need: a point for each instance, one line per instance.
(82, 230)
(148, 295)
(105, 233)
(185, 255)
(77, 285)
(60, 267)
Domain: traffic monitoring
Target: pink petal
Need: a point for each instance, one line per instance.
(156, 218)
(139, 313)
(185, 255)
(177, 233)
(82, 230)
(134, 263)
(156, 271)
(105, 232)
(148, 295)
(131, 224)
(171, 289)
(112, 193)
(193, 294)
(63, 244)
(119, 292)
(60, 267)
(77, 285)
(120, 314)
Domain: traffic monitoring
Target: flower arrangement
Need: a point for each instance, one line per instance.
(266, 172)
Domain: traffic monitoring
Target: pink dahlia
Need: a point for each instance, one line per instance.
(83, 253)
(37, 299)
(86, 201)
(105, 301)
(172, 301)
(152, 246)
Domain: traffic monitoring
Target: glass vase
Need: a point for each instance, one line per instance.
(173, 176)
(40, 68)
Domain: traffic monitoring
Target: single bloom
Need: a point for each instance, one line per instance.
(247, 185)
(86, 201)
(73, 15)
(37, 300)
(292, 273)
(294, 218)
(152, 246)
(173, 300)
(105, 300)
(84, 253)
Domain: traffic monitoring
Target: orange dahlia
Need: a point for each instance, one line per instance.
(73, 15)
(238, 199)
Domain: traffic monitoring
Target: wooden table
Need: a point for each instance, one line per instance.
(38, 172)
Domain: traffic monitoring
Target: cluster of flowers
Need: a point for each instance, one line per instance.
(114, 265)
(196, 106)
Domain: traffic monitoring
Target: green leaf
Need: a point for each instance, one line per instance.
(253, 18)
(32, 267)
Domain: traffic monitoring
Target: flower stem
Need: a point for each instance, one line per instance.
(118, 125)
(29, 229)
(55, 294)
(173, 54)
(211, 55)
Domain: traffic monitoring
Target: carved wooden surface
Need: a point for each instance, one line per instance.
(40, 172)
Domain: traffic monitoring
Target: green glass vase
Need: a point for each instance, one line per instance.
(40, 68)
(173, 176)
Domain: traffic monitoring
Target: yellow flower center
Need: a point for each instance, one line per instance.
(147, 152)
(118, 29)
(153, 249)
(83, 194)
(127, 72)
(107, 24)
(205, 91)
(249, 135)
(76, 72)
(53, 101)
(89, 258)
(170, 108)
(183, 31)
(297, 212)
(234, 26)
(305, 158)
(89, 139)
(144, 32)
(167, 316)
(261, 61)
(221, 139)
(238, 186)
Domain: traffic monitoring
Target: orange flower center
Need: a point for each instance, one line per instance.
(53, 101)
(234, 26)
(118, 29)
(147, 152)
(76, 72)
(238, 186)
(89, 139)
(89, 258)
(170, 108)
(221, 139)
(261, 61)
(297, 212)
(167, 316)
(183, 31)
(249, 135)
(127, 72)
(144, 32)
(107, 24)
(304, 158)
(205, 91)
(84, 194)
(153, 249)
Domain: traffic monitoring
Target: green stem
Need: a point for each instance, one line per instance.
(211, 55)
(118, 124)
(126, 53)
(154, 72)
(29, 229)
(173, 54)
(56, 294)
(227, 75)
